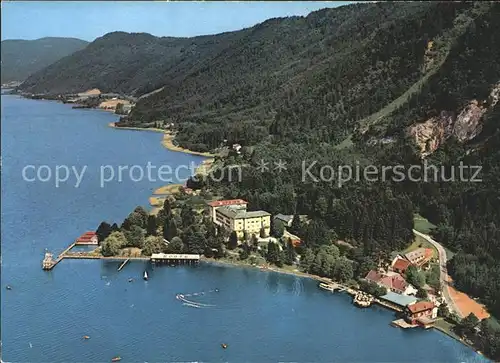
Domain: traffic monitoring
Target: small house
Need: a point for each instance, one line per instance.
(392, 281)
(420, 256)
(421, 312)
(88, 238)
(285, 219)
(400, 265)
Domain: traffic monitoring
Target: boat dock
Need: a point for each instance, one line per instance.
(49, 262)
(123, 264)
(401, 323)
(332, 286)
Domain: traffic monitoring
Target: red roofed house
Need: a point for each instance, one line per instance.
(400, 265)
(237, 204)
(88, 238)
(421, 312)
(391, 281)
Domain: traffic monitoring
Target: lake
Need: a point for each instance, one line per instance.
(261, 316)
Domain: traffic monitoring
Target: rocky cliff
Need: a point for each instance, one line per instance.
(465, 126)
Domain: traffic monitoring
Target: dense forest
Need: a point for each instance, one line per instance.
(343, 86)
(21, 58)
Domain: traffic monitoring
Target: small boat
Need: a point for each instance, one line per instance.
(224, 346)
(8, 287)
(86, 337)
(145, 277)
(130, 280)
(328, 287)
(116, 359)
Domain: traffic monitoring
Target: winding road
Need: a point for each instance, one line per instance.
(444, 278)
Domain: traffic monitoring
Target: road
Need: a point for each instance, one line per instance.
(444, 279)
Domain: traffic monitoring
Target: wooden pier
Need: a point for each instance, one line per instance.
(123, 264)
(48, 262)
(401, 323)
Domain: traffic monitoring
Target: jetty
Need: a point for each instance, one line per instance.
(123, 264)
(332, 286)
(49, 262)
(401, 323)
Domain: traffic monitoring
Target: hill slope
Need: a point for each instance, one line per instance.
(297, 78)
(21, 58)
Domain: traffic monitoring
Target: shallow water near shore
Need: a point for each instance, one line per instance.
(263, 316)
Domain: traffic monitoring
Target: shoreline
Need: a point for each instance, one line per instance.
(160, 193)
(167, 141)
(226, 263)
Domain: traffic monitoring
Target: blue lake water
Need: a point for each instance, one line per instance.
(262, 316)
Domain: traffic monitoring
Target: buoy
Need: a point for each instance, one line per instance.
(224, 346)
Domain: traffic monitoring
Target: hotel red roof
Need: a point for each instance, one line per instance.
(401, 265)
(398, 282)
(220, 203)
(393, 281)
(421, 306)
(87, 236)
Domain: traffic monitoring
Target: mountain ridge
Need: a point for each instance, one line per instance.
(22, 57)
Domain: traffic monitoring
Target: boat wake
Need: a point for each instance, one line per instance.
(298, 287)
(194, 304)
(191, 305)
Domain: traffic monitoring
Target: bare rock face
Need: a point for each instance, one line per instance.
(467, 125)
(494, 96)
(432, 133)
(429, 135)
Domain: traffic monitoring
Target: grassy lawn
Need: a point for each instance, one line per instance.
(421, 242)
(421, 224)
(446, 327)
(346, 144)
(449, 254)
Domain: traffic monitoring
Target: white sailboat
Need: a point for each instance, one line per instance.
(145, 277)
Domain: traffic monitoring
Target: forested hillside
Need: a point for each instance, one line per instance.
(322, 72)
(378, 83)
(21, 58)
